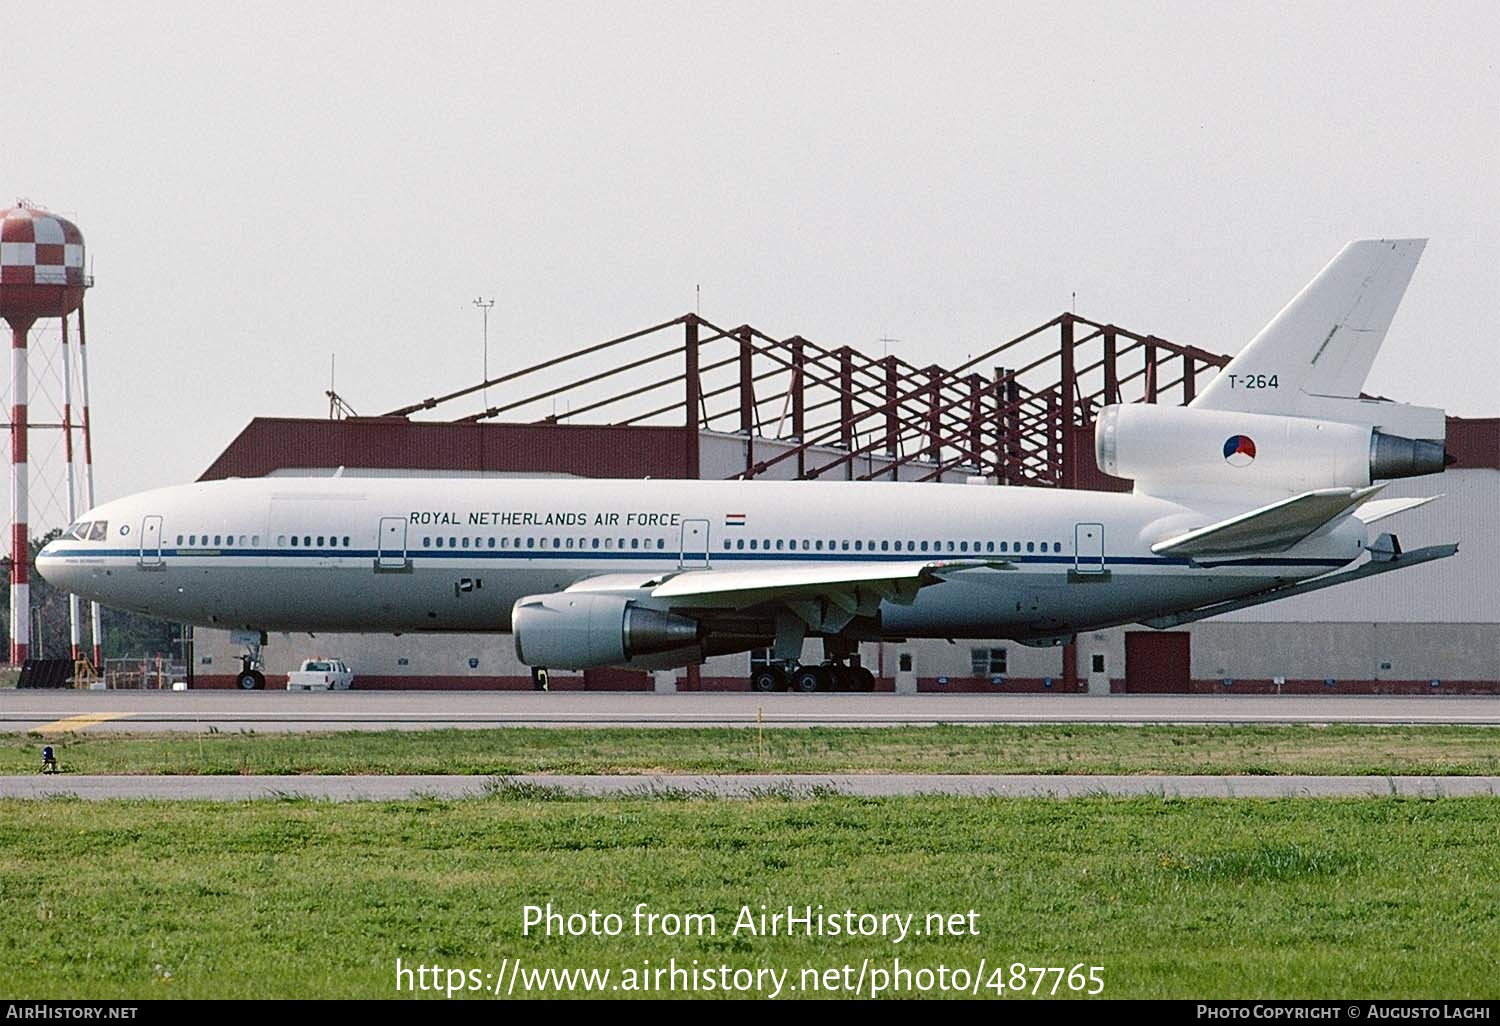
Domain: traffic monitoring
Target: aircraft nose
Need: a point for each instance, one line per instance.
(53, 567)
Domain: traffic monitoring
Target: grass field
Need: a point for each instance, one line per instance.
(950, 749)
(1199, 898)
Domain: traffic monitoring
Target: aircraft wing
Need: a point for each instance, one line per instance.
(849, 585)
(1273, 528)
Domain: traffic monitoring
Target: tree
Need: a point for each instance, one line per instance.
(125, 633)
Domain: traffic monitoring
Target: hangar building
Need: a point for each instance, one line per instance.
(688, 399)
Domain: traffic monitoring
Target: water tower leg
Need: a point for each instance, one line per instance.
(88, 472)
(75, 607)
(20, 542)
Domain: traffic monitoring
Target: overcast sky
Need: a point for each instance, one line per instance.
(262, 185)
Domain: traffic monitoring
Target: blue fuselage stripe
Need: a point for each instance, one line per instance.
(672, 554)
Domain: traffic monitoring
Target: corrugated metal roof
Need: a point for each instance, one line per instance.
(277, 443)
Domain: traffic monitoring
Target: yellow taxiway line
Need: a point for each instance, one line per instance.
(75, 723)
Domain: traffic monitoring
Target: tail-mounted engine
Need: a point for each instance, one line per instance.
(1167, 449)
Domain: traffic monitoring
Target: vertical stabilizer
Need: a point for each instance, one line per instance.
(1324, 341)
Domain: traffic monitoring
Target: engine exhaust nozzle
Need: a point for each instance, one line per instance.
(1392, 456)
(653, 630)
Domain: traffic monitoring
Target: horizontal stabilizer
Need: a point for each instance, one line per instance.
(1379, 509)
(1370, 569)
(1273, 528)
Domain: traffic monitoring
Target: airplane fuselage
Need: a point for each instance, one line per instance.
(454, 554)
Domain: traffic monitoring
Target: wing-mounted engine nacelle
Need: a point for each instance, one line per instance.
(579, 631)
(1170, 448)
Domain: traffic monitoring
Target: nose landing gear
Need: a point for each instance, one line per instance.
(250, 677)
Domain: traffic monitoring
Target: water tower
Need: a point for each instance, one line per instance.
(41, 277)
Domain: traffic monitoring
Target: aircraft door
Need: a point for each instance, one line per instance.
(1088, 548)
(391, 554)
(694, 544)
(151, 541)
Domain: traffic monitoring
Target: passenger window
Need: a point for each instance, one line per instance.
(740, 544)
(950, 546)
(963, 546)
(294, 541)
(280, 539)
(635, 543)
(846, 547)
(754, 544)
(307, 539)
(859, 546)
(661, 543)
(179, 539)
(924, 546)
(427, 542)
(885, 546)
(595, 543)
(1031, 546)
(819, 545)
(989, 546)
(779, 544)
(320, 541)
(491, 542)
(1004, 547)
(255, 540)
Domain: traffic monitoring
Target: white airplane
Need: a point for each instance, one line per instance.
(1264, 487)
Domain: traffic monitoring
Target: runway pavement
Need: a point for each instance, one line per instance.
(385, 788)
(294, 712)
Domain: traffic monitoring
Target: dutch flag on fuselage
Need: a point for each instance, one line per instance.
(734, 520)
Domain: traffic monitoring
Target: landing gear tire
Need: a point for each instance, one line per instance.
(864, 680)
(250, 680)
(809, 679)
(843, 678)
(768, 680)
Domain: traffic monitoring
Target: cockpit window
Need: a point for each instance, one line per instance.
(98, 529)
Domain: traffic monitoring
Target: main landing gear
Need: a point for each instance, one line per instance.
(807, 679)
